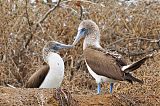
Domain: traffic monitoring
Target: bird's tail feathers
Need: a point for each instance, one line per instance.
(130, 78)
(135, 65)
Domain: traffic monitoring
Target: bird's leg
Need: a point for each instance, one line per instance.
(111, 87)
(63, 96)
(57, 94)
(98, 88)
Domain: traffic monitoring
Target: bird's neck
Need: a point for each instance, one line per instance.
(54, 60)
(93, 41)
(56, 71)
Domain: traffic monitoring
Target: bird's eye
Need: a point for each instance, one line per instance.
(55, 47)
(83, 29)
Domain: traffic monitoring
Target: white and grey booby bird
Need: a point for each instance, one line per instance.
(104, 66)
(50, 75)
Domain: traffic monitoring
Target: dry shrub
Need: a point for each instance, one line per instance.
(126, 24)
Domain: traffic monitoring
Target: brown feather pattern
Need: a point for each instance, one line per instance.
(38, 77)
(103, 64)
(120, 60)
(108, 64)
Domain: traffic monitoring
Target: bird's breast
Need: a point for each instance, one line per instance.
(55, 75)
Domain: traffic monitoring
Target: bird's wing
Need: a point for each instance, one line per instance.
(119, 58)
(103, 63)
(38, 77)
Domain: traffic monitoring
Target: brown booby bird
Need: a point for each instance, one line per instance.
(104, 66)
(50, 75)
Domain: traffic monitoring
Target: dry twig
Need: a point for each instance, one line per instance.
(39, 22)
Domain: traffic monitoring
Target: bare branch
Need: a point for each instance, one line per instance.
(39, 22)
(27, 15)
(81, 12)
(127, 52)
(115, 42)
(146, 39)
(135, 53)
(139, 38)
(29, 24)
(48, 12)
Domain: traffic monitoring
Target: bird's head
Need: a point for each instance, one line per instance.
(87, 28)
(54, 46)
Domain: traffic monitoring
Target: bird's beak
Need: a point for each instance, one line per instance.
(80, 34)
(64, 46)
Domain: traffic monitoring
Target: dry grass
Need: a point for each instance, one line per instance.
(128, 25)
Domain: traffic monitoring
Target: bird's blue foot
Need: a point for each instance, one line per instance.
(98, 88)
(111, 87)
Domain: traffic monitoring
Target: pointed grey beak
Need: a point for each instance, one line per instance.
(81, 33)
(64, 46)
(58, 46)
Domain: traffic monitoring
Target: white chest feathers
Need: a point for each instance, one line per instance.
(55, 75)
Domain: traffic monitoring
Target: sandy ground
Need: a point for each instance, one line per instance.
(46, 97)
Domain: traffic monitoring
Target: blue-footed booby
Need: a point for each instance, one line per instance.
(104, 66)
(50, 75)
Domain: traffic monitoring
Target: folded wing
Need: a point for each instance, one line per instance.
(37, 78)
